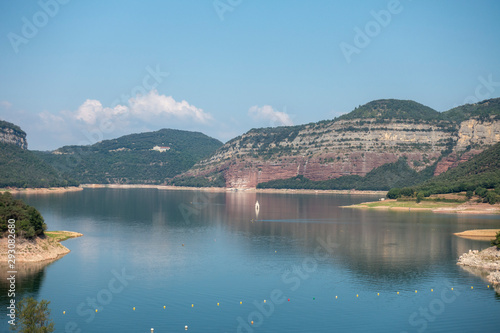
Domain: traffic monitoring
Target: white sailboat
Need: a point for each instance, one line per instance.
(257, 209)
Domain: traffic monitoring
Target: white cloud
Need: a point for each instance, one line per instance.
(147, 107)
(92, 110)
(266, 112)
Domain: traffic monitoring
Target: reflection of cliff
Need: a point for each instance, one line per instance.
(372, 243)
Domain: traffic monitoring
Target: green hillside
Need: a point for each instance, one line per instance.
(130, 158)
(483, 110)
(483, 170)
(22, 168)
(393, 109)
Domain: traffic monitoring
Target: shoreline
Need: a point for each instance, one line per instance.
(438, 207)
(478, 234)
(485, 264)
(229, 189)
(39, 249)
(45, 190)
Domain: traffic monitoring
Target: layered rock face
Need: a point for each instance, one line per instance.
(10, 133)
(345, 147)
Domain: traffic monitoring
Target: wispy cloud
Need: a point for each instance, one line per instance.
(5, 104)
(267, 113)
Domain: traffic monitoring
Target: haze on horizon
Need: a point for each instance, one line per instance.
(75, 72)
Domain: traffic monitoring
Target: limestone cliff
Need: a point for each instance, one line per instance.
(375, 134)
(10, 133)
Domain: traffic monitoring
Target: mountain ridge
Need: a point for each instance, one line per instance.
(379, 132)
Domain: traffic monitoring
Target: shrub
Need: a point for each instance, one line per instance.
(496, 241)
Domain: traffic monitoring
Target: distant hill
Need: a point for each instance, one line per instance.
(22, 168)
(354, 144)
(131, 158)
(387, 109)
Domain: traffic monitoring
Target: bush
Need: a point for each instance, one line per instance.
(491, 198)
(481, 191)
(33, 317)
(420, 196)
(469, 194)
(407, 192)
(394, 193)
(496, 241)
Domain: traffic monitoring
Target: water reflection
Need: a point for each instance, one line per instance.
(28, 281)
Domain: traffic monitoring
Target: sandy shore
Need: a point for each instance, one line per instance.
(41, 190)
(225, 189)
(478, 234)
(39, 249)
(471, 208)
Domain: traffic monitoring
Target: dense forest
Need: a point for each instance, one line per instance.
(22, 168)
(29, 222)
(382, 178)
(480, 175)
(130, 158)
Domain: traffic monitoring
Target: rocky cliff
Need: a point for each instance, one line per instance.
(377, 133)
(10, 133)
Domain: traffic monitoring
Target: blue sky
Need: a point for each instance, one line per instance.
(74, 71)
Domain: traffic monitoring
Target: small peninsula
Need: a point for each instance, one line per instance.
(38, 249)
(23, 235)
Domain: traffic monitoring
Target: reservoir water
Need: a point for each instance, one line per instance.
(166, 259)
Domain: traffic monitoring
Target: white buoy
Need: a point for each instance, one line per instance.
(257, 209)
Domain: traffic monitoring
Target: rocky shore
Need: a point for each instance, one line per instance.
(485, 263)
(38, 249)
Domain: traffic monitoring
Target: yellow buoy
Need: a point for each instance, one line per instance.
(432, 290)
(241, 302)
(192, 305)
(471, 287)
(64, 312)
(336, 297)
(251, 322)
(451, 288)
(398, 292)
(488, 286)
(357, 295)
(378, 294)
(133, 308)
(415, 291)
(164, 306)
(264, 301)
(95, 310)
(217, 304)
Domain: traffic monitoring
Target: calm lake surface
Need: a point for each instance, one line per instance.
(189, 258)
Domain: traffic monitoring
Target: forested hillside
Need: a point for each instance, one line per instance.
(477, 175)
(131, 158)
(22, 168)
